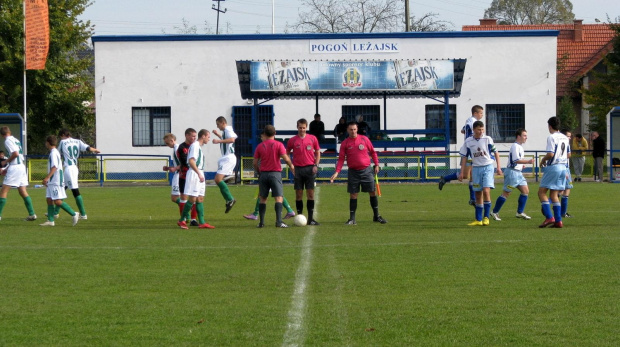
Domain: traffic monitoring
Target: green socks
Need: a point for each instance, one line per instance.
(3, 202)
(186, 212)
(224, 190)
(28, 203)
(80, 204)
(286, 205)
(51, 211)
(200, 210)
(65, 207)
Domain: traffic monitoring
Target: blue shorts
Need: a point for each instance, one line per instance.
(512, 179)
(483, 177)
(569, 180)
(554, 177)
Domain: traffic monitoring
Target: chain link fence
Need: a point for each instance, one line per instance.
(110, 168)
(429, 166)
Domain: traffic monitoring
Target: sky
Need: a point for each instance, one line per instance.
(153, 17)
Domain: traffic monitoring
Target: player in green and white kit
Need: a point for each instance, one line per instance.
(54, 181)
(70, 150)
(195, 182)
(226, 164)
(16, 174)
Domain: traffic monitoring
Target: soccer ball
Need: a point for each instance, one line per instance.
(300, 220)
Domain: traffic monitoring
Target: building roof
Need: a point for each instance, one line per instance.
(580, 46)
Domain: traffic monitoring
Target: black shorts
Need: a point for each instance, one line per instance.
(270, 180)
(364, 178)
(304, 178)
(182, 185)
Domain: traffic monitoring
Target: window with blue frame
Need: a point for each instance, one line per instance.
(150, 124)
(503, 119)
(435, 119)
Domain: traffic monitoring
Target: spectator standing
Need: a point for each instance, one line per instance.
(357, 150)
(317, 128)
(598, 152)
(578, 146)
(362, 127)
(340, 131)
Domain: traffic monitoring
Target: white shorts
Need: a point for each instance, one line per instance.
(55, 192)
(193, 186)
(16, 176)
(71, 176)
(175, 185)
(226, 165)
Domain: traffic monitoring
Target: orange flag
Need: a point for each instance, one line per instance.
(37, 34)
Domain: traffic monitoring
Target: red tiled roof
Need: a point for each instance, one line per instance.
(581, 55)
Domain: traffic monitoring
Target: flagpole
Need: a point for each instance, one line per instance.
(25, 130)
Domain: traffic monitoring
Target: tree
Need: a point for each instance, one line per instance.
(185, 28)
(566, 113)
(530, 11)
(355, 16)
(603, 92)
(60, 95)
(428, 23)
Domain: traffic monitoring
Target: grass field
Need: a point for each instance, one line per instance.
(129, 276)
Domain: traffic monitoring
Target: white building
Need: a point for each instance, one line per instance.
(149, 85)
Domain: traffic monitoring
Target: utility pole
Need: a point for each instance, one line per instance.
(217, 26)
(407, 27)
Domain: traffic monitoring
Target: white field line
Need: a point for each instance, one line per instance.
(295, 334)
(346, 245)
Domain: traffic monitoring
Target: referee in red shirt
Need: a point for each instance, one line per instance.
(267, 164)
(306, 155)
(357, 149)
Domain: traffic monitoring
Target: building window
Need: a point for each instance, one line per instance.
(371, 114)
(435, 119)
(503, 120)
(150, 124)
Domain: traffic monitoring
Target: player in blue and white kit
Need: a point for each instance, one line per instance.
(16, 174)
(513, 177)
(553, 166)
(54, 181)
(226, 164)
(477, 112)
(481, 149)
(569, 180)
(70, 150)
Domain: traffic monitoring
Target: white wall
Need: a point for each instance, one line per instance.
(198, 80)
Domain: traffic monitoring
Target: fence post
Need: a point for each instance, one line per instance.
(101, 170)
